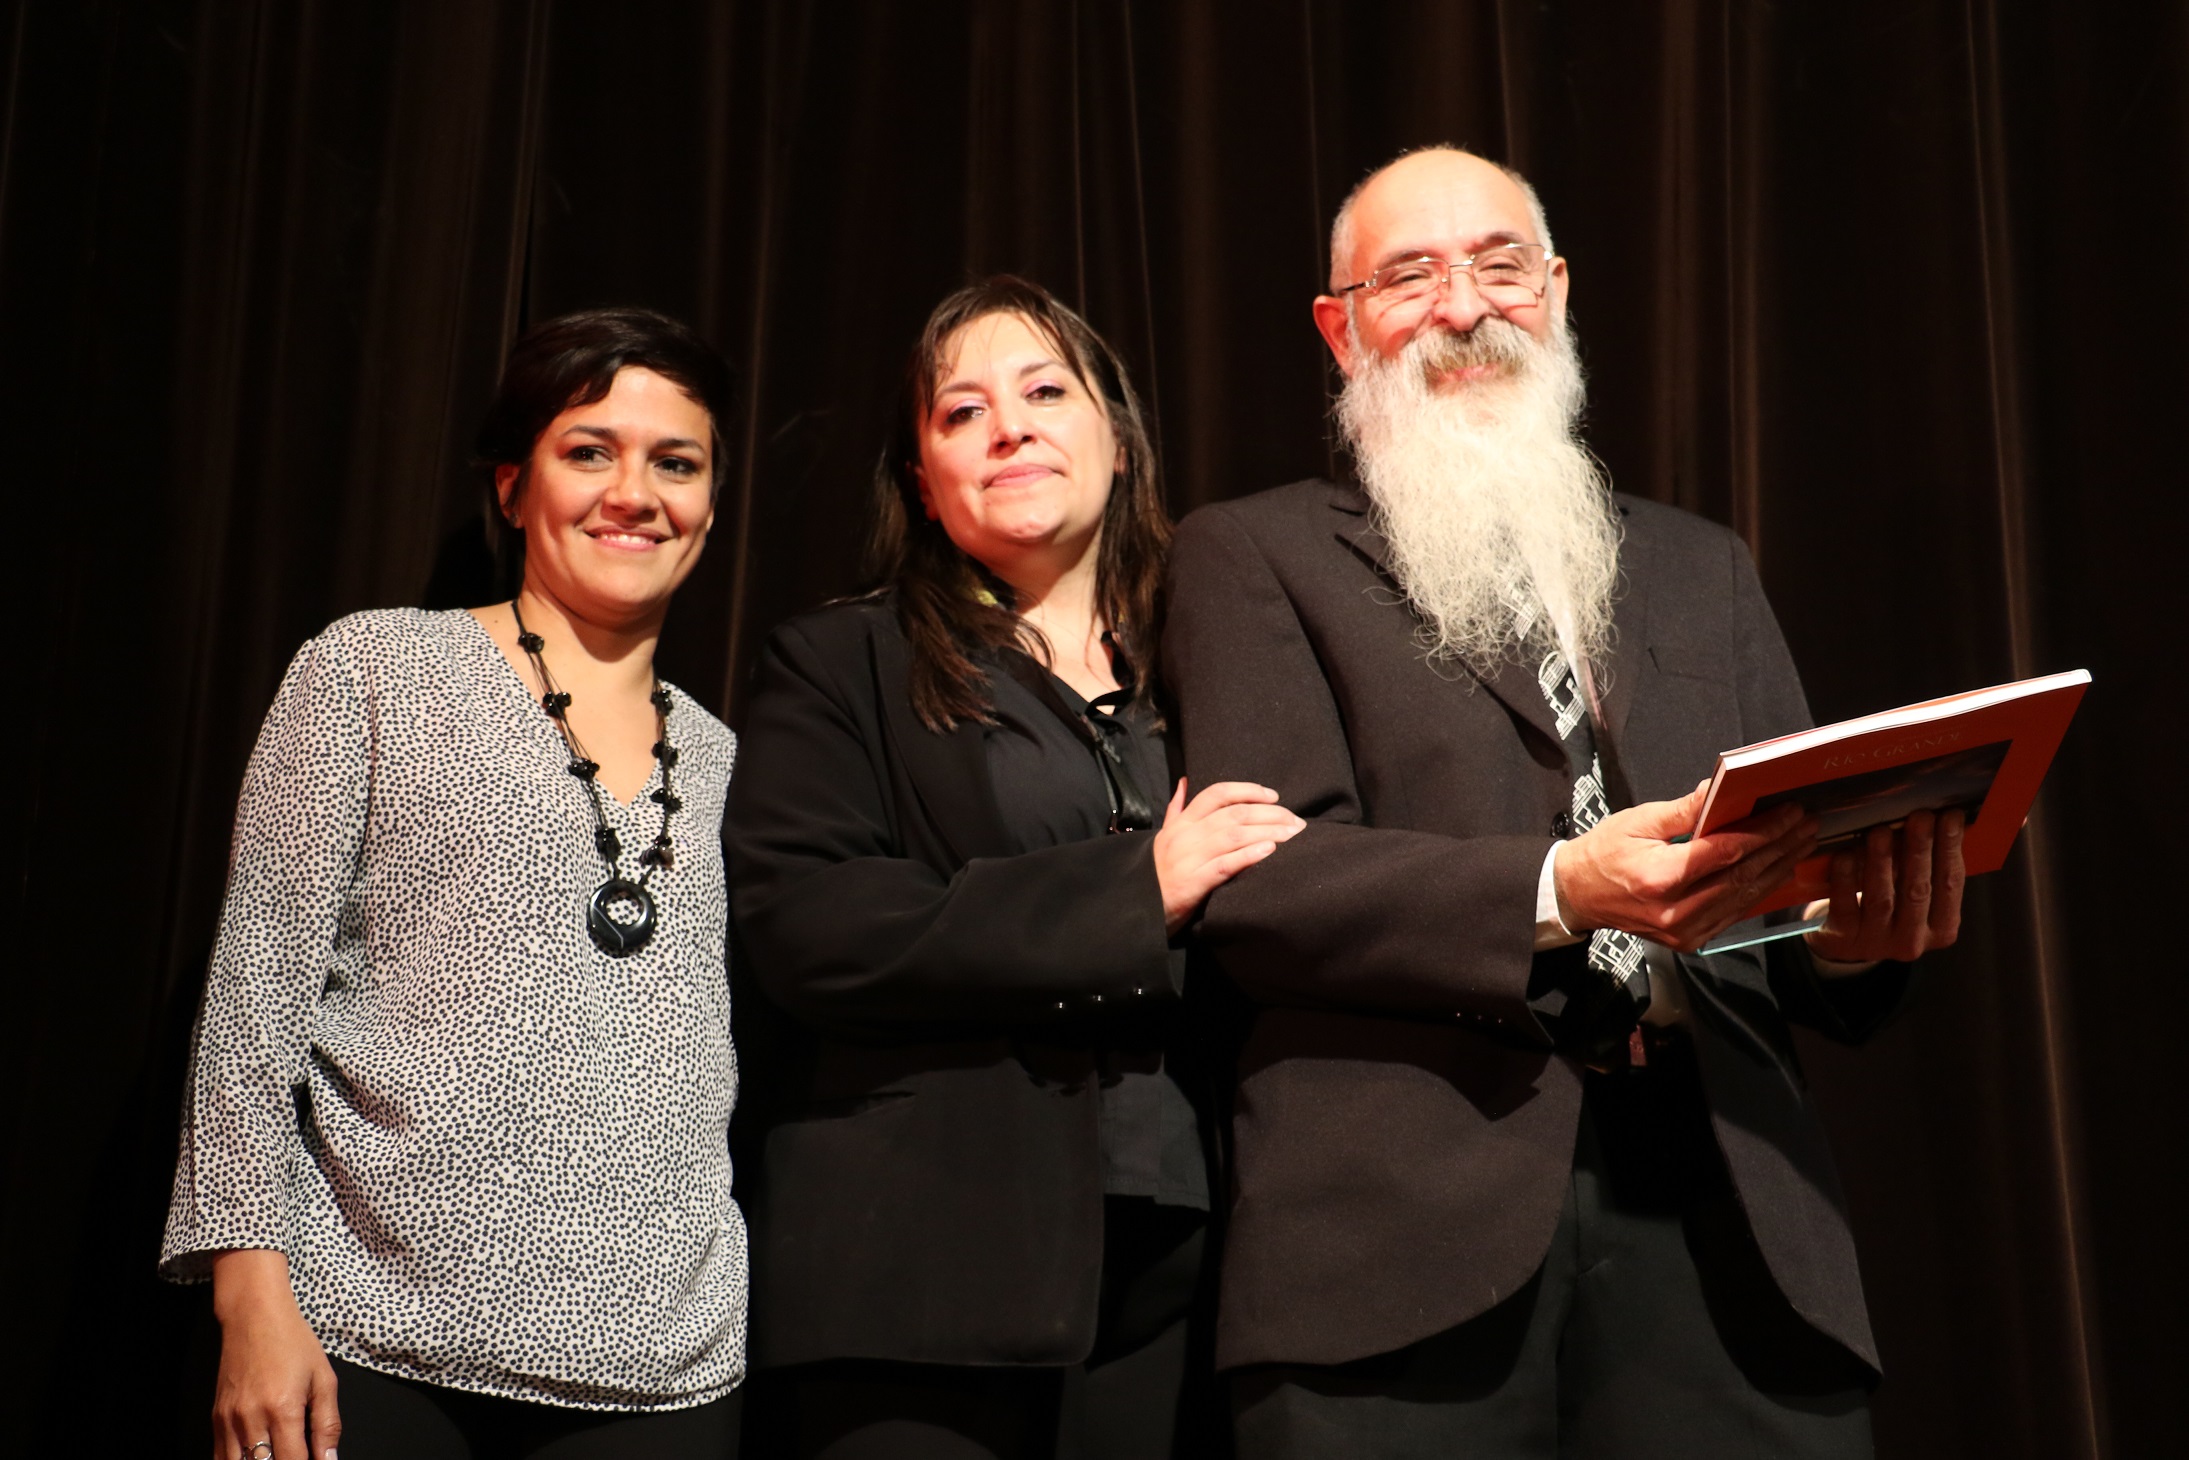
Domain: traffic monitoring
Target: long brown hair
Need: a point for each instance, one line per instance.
(954, 612)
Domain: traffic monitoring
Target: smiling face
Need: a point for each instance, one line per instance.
(616, 501)
(1016, 453)
(1450, 205)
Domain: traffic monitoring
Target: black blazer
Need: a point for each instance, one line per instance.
(931, 1180)
(1403, 1137)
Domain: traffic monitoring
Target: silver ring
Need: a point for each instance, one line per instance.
(253, 1452)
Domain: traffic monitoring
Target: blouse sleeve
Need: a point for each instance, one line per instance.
(300, 826)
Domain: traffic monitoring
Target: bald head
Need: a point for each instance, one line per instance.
(1402, 182)
(1440, 203)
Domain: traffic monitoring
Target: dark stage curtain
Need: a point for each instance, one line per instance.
(1895, 287)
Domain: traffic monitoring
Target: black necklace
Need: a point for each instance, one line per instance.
(613, 935)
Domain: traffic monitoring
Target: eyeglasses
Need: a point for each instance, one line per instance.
(1508, 275)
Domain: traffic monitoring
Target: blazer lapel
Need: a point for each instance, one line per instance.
(947, 773)
(1514, 683)
(1629, 656)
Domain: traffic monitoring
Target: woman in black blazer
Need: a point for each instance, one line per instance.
(979, 1218)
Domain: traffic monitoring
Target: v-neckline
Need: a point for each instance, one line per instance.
(537, 714)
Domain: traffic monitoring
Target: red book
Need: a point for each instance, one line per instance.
(1985, 751)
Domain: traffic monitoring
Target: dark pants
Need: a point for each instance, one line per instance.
(1653, 1328)
(386, 1418)
(1142, 1394)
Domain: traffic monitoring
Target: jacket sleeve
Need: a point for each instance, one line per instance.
(300, 825)
(850, 933)
(1847, 1009)
(1344, 915)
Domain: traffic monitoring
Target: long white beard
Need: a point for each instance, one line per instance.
(1494, 510)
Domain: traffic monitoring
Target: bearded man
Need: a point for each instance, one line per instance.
(1517, 1171)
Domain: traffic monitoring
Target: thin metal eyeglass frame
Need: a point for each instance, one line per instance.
(1453, 266)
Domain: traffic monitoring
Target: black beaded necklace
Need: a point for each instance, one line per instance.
(612, 935)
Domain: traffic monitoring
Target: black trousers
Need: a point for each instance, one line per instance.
(1143, 1393)
(386, 1418)
(1653, 1329)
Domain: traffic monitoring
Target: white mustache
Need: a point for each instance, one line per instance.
(1493, 341)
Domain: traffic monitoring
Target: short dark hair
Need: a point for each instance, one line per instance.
(573, 360)
(941, 602)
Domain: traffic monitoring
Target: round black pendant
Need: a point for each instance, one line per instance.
(612, 936)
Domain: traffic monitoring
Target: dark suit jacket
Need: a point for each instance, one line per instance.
(931, 1182)
(1403, 1137)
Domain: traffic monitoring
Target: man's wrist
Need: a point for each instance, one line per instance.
(1551, 928)
(1567, 917)
(1835, 967)
(1830, 967)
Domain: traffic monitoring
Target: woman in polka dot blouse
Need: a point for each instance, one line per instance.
(453, 1148)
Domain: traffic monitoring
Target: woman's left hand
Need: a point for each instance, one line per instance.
(1205, 843)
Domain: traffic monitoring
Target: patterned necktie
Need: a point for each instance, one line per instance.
(1604, 1021)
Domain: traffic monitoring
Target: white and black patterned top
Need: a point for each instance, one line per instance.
(495, 1156)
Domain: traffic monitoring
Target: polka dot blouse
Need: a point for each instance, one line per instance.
(495, 1156)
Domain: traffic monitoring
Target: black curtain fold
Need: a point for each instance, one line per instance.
(1890, 286)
